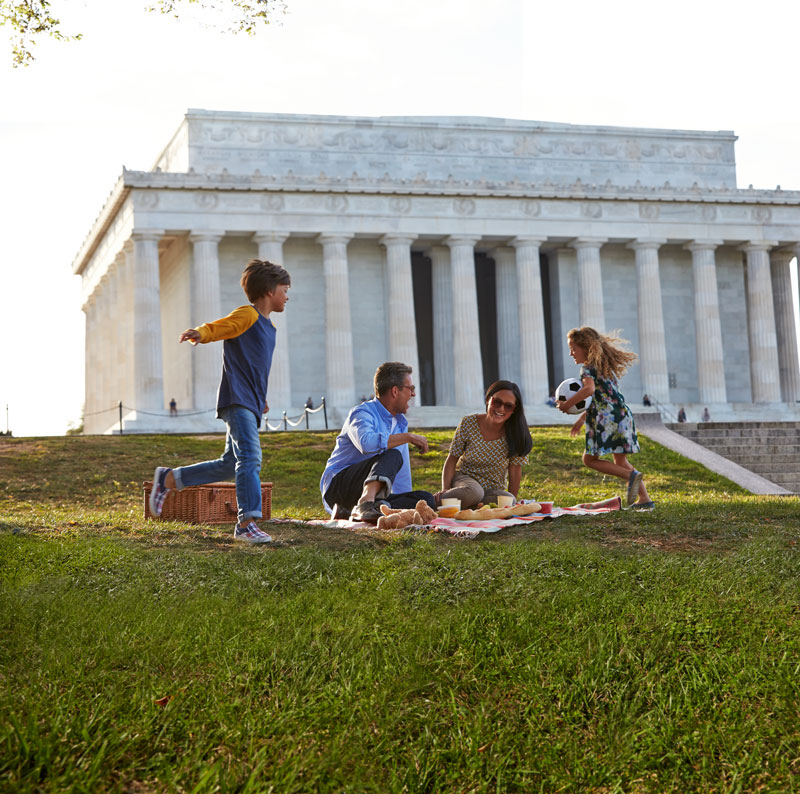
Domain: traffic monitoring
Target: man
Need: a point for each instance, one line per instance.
(369, 465)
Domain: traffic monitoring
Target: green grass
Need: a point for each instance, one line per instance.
(621, 653)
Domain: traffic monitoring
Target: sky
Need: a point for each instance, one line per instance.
(84, 109)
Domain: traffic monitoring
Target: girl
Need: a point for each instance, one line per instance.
(610, 428)
(487, 448)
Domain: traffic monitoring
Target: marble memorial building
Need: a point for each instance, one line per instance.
(466, 247)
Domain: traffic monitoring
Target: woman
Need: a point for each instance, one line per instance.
(488, 450)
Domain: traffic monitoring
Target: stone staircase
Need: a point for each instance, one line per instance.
(771, 449)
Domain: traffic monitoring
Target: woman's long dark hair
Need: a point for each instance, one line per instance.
(518, 437)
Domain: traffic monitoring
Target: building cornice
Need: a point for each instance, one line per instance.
(106, 217)
(322, 183)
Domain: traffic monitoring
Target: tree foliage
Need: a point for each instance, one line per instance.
(30, 20)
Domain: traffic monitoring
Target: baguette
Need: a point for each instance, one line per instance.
(494, 513)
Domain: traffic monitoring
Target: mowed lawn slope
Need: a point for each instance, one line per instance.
(624, 652)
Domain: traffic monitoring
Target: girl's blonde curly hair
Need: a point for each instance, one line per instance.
(603, 351)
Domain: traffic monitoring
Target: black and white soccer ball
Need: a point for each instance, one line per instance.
(566, 390)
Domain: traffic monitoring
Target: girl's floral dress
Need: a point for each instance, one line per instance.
(609, 422)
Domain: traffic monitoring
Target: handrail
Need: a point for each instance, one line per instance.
(663, 409)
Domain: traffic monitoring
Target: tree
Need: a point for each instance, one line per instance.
(31, 19)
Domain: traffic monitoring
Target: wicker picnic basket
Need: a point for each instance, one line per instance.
(214, 503)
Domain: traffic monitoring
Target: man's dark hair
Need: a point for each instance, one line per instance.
(388, 374)
(260, 277)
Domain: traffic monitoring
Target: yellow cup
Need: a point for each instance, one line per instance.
(505, 501)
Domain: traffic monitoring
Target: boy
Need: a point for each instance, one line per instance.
(249, 341)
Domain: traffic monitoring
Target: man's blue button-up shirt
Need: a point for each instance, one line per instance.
(365, 434)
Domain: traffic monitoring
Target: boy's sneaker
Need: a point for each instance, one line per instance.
(159, 491)
(634, 481)
(251, 534)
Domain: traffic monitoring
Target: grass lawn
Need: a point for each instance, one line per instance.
(629, 652)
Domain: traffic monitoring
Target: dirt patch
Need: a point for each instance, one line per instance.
(684, 543)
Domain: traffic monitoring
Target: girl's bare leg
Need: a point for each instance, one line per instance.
(621, 467)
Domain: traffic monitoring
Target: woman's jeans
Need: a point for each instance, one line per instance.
(240, 460)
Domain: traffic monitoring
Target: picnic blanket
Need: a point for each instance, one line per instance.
(470, 529)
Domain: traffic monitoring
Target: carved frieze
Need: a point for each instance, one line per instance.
(206, 200)
(591, 209)
(402, 147)
(400, 205)
(464, 206)
(531, 207)
(336, 203)
(648, 211)
(145, 201)
(272, 202)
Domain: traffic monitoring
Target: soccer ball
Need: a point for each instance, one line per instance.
(566, 390)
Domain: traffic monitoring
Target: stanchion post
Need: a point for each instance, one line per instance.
(120, 418)
(285, 422)
(305, 413)
(325, 412)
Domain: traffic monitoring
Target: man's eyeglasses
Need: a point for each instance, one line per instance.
(412, 389)
(498, 403)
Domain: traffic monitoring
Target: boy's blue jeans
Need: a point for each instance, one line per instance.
(240, 460)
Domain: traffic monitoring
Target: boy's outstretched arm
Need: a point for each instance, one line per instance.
(237, 322)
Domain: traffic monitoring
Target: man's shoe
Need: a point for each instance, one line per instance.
(643, 506)
(251, 534)
(368, 512)
(340, 513)
(634, 481)
(159, 491)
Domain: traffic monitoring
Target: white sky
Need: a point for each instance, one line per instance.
(84, 109)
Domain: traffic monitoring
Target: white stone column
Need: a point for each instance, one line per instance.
(148, 377)
(115, 360)
(508, 331)
(205, 308)
(467, 362)
(786, 332)
(340, 373)
(402, 317)
(90, 365)
(103, 354)
(442, 286)
(532, 343)
(708, 328)
(126, 323)
(591, 311)
(764, 370)
(279, 391)
(652, 341)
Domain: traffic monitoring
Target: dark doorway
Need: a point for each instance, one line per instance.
(487, 317)
(423, 314)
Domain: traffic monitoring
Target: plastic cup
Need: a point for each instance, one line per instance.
(547, 507)
(449, 508)
(505, 501)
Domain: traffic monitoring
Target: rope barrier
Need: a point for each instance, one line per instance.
(151, 413)
(285, 423)
(104, 411)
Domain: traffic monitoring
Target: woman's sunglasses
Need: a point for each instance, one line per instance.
(498, 403)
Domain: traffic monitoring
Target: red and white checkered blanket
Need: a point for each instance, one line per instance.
(471, 529)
